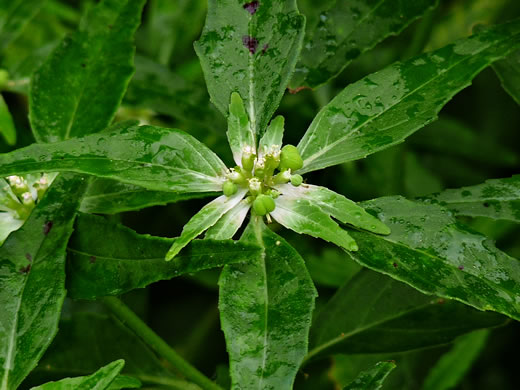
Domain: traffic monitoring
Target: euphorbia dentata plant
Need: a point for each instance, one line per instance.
(250, 52)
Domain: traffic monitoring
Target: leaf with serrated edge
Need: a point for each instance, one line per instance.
(431, 251)
(78, 88)
(29, 259)
(151, 157)
(372, 379)
(228, 225)
(204, 219)
(97, 268)
(266, 309)
(496, 199)
(252, 51)
(344, 31)
(335, 205)
(100, 380)
(385, 107)
(455, 364)
(373, 313)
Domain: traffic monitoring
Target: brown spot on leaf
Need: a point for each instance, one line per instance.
(441, 301)
(395, 265)
(28, 256)
(92, 259)
(47, 226)
(264, 49)
(252, 7)
(26, 269)
(250, 43)
(461, 267)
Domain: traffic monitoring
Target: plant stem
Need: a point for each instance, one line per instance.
(130, 319)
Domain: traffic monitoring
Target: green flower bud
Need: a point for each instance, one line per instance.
(290, 158)
(255, 186)
(263, 205)
(296, 180)
(272, 161)
(282, 177)
(248, 159)
(229, 188)
(236, 176)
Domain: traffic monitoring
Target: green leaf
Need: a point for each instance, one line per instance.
(32, 275)
(251, 49)
(204, 219)
(79, 87)
(272, 136)
(152, 157)
(7, 128)
(124, 382)
(373, 313)
(345, 30)
(240, 133)
(266, 306)
(496, 199)
(86, 341)
(14, 16)
(508, 71)
(96, 267)
(372, 379)
(455, 364)
(105, 196)
(228, 225)
(100, 380)
(384, 108)
(431, 251)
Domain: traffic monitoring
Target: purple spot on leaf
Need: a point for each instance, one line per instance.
(28, 256)
(264, 49)
(461, 267)
(395, 265)
(47, 226)
(251, 7)
(26, 269)
(250, 43)
(92, 259)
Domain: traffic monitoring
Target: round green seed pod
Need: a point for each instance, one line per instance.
(290, 158)
(296, 180)
(229, 188)
(263, 205)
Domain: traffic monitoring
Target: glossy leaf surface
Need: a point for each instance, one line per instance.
(96, 267)
(100, 380)
(79, 87)
(496, 199)
(29, 259)
(250, 48)
(105, 196)
(372, 379)
(376, 314)
(455, 364)
(272, 136)
(240, 134)
(204, 219)
(431, 251)
(152, 157)
(7, 129)
(346, 29)
(266, 306)
(14, 16)
(508, 70)
(384, 108)
(228, 225)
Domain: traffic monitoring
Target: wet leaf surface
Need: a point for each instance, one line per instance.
(384, 108)
(29, 259)
(96, 267)
(266, 306)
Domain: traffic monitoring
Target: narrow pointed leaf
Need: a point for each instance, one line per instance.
(105, 196)
(496, 199)
(266, 307)
(373, 313)
(455, 364)
(7, 129)
(250, 48)
(384, 108)
(29, 259)
(431, 251)
(79, 87)
(204, 219)
(337, 206)
(372, 379)
(240, 134)
(152, 157)
(273, 135)
(14, 16)
(508, 71)
(228, 225)
(305, 217)
(97, 268)
(345, 30)
(100, 380)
